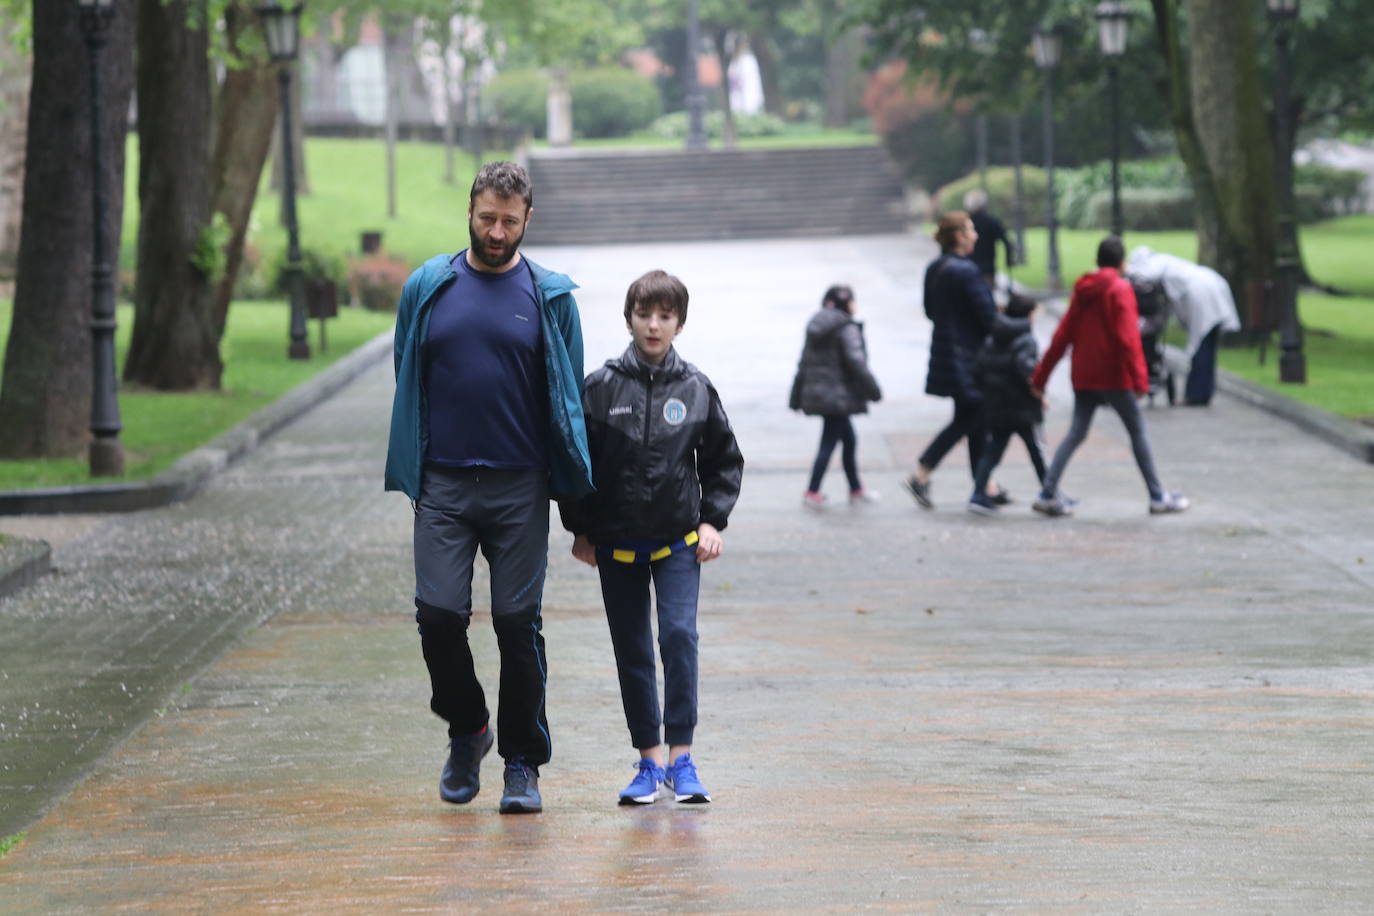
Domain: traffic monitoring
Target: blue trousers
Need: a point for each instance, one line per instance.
(836, 431)
(1202, 374)
(625, 589)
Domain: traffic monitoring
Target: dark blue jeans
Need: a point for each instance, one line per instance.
(625, 589)
(836, 431)
(997, 446)
(1202, 374)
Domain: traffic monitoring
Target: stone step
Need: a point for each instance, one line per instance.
(665, 195)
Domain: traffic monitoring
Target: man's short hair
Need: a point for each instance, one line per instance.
(658, 287)
(976, 199)
(504, 179)
(1110, 252)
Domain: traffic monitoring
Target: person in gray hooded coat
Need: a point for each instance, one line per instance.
(833, 382)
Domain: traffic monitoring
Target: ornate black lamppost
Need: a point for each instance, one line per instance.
(1292, 363)
(107, 452)
(1046, 45)
(283, 28)
(1112, 19)
(696, 134)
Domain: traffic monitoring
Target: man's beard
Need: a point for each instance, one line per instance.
(479, 248)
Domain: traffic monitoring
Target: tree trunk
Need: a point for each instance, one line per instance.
(725, 51)
(45, 397)
(245, 118)
(392, 57)
(841, 55)
(770, 72)
(174, 346)
(1229, 115)
(16, 72)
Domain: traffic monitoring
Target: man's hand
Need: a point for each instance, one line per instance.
(584, 550)
(708, 543)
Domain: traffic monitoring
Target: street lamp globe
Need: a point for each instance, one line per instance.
(1046, 45)
(1113, 18)
(1283, 9)
(283, 28)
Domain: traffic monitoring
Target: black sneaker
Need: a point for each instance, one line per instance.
(459, 783)
(522, 789)
(919, 491)
(1001, 498)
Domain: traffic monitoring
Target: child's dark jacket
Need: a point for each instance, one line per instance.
(664, 458)
(833, 378)
(1003, 369)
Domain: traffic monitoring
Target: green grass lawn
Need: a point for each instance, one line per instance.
(159, 427)
(1339, 343)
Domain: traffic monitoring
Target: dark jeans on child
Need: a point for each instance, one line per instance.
(836, 431)
(1202, 374)
(996, 447)
(625, 590)
(506, 514)
(967, 422)
(1085, 403)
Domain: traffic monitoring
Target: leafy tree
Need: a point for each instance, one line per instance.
(1208, 72)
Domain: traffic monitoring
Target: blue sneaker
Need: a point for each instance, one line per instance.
(643, 789)
(459, 783)
(982, 504)
(681, 777)
(522, 789)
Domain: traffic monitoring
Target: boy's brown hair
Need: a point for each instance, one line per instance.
(658, 287)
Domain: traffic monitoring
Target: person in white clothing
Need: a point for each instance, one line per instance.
(1201, 299)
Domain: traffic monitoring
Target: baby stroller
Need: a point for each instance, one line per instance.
(1154, 318)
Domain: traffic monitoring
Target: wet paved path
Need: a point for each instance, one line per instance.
(902, 710)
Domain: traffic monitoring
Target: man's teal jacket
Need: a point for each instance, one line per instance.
(569, 464)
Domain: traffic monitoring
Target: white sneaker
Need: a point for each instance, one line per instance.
(814, 501)
(864, 497)
(1169, 503)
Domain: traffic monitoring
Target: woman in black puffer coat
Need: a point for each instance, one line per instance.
(833, 382)
(962, 314)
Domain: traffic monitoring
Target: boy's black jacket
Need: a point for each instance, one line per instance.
(1003, 369)
(664, 458)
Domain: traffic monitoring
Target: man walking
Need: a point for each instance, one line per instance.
(486, 427)
(990, 231)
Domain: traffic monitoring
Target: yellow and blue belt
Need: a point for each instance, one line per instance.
(623, 555)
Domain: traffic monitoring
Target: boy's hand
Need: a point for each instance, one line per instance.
(708, 543)
(584, 550)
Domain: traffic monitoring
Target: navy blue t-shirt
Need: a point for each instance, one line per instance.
(484, 372)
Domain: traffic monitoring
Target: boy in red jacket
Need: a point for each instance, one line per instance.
(1103, 327)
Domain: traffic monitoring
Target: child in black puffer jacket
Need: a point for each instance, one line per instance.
(1002, 370)
(833, 382)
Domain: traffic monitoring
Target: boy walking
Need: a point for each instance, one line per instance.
(667, 471)
(1003, 370)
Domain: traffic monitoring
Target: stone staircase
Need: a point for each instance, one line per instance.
(595, 197)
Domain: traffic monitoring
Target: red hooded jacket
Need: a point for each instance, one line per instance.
(1103, 327)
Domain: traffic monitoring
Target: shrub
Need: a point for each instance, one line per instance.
(520, 99)
(929, 136)
(1143, 209)
(1321, 192)
(375, 281)
(673, 126)
(612, 102)
(1075, 188)
(315, 265)
(1001, 193)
